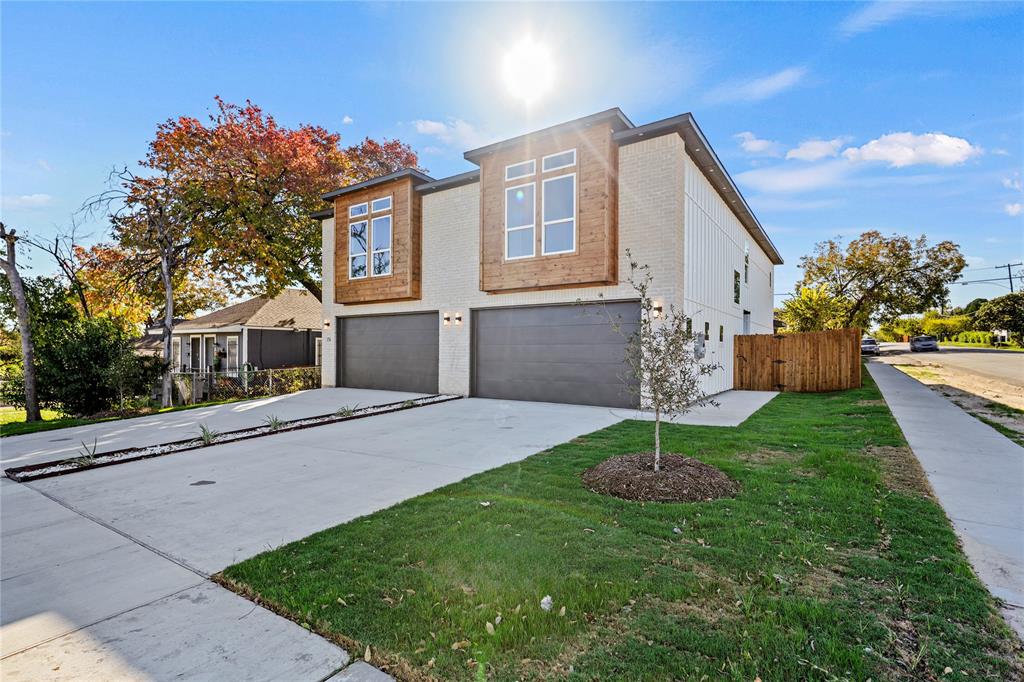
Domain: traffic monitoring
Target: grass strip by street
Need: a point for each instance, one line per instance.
(960, 344)
(12, 421)
(832, 562)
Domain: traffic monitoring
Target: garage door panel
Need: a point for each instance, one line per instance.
(554, 354)
(389, 352)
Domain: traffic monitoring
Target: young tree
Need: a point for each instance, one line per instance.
(9, 264)
(814, 309)
(260, 182)
(1005, 312)
(662, 353)
(883, 277)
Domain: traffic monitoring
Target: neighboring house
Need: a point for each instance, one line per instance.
(265, 333)
(152, 342)
(469, 284)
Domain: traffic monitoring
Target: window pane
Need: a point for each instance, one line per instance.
(520, 243)
(558, 198)
(381, 204)
(560, 160)
(382, 233)
(382, 263)
(357, 210)
(357, 238)
(358, 267)
(520, 170)
(559, 237)
(519, 206)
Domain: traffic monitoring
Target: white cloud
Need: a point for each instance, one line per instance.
(755, 146)
(767, 203)
(455, 132)
(1013, 210)
(907, 149)
(815, 150)
(44, 164)
(757, 89)
(999, 151)
(784, 179)
(28, 201)
(347, 120)
(1013, 183)
(875, 15)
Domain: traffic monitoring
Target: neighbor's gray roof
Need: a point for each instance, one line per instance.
(416, 174)
(291, 309)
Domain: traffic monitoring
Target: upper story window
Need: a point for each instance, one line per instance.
(357, 210)
(520, 213)
(553, 162)
(559, 209)
(520, 170)
(735, 287)
(357, 241)
(382, 204)
(381, 233)
(746, 263)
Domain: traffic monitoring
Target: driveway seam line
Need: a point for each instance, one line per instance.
(104, 619)
(120, 532)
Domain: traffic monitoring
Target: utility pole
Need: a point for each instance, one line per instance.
(1009, 275)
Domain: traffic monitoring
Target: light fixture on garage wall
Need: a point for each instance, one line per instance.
(458, 318)
(327, 324)
(447, 319)
(656, 310)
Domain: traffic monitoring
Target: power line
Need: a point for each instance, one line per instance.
(1009, 275)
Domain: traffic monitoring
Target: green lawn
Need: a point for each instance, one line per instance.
(959, 344)
(832, 563)
(12, 421)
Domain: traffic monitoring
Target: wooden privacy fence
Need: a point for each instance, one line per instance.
(809, 362)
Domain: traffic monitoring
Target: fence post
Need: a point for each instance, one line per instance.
(195, 387)
(270, 378)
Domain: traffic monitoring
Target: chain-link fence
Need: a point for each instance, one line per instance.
(198, 387)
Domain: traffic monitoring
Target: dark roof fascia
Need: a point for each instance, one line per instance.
(706, 158)
(619, 122)
(323, 215)
(450, 182)
(417, 176)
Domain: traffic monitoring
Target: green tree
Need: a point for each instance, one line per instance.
(813, 309)
(1005, 312)
(973, 306)
(878, 277)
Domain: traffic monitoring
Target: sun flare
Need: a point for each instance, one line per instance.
(528, 70)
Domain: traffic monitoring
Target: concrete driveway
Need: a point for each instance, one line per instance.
(162, 428)
(104, 571)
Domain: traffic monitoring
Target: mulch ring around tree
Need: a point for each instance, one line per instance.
(681, 479)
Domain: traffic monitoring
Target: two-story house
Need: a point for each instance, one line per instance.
(469, 284)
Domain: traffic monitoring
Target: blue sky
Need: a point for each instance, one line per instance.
(833, 118)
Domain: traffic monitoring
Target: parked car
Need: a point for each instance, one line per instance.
(868, 346)
(923, 343)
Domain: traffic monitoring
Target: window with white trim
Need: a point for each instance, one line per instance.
(735, 287)
(176, 354)
(357, 243)
(382, 204)
(381, 233)
(232, 354)
(746, 263)
(357, 210)
(318, 351)
(523, 169)
(520, 214)
(553, 162)
(559, 209)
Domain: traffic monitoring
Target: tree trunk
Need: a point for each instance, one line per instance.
(657, 439)
(312, 286)
(28, 354)
(167, 396)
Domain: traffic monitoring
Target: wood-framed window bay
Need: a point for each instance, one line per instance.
(555, 213)
(370, 239)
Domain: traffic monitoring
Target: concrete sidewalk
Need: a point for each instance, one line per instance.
(978, 476)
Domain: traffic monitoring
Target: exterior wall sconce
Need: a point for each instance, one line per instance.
(458, 318)
(327, 324)
(656, 310)
(447, 319)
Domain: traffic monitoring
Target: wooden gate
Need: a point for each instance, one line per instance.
(809, 362)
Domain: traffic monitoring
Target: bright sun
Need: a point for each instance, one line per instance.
(528, 70)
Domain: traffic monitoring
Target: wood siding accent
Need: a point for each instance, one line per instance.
(403, 284)
(810, 362)
(595, 260)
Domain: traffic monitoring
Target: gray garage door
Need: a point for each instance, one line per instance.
(558, 354)
(389, 352)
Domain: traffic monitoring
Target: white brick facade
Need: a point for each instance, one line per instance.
(655, 201)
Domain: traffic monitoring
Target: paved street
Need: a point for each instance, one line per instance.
(1000, 365)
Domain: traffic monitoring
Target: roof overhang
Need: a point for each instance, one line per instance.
(418, 177)
(615, 116)
(704, 156)
(450, 182)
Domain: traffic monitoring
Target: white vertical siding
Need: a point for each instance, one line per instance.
(713, 250)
